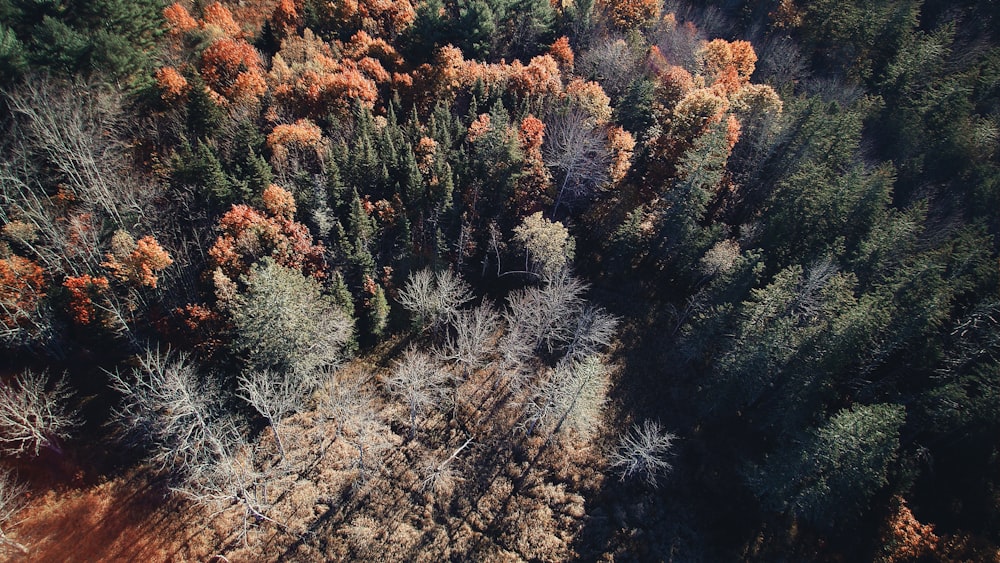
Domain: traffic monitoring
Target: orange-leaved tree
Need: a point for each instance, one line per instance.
(22, 288)
(83, 291)
(136, 262)
(248, 235)
(233, 70)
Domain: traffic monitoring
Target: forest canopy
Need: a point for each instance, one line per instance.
(501, 279)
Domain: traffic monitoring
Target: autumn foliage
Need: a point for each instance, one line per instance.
(628, 14)
(22, 287)
(217, 15)
(563, 54)
(233, 70)
(904, 537)
(247, 235)
(178, 19)
(173, 86)
(136, 262)
(83, 291)
(308, 79)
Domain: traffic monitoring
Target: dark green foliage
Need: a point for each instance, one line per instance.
(13, 58)
(200, 169)
(204, 116)
(112, 38)
(635, 112)
(830, 479)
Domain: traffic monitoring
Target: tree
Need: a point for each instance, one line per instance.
(248, 235)
(284, 322)
(541, 318)
(833, 476)
(13, 496)
(642, 452)
(473, 337)
(419, 382)
(577, 150)
(275, 396)
(136, 262)
(570, 397)
(232, 68)
(548, 247)
(434, 299)
(22, 289)
(170, 409)
(34, 414)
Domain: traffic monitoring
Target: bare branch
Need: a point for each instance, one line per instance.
(642, 452)
(473, 338)
(167, 409)
(434, 299)
(419, 382)
(12, 501)
(275, 396)
(571, 397)
(577, 150)
(438, 475)
(31, 417)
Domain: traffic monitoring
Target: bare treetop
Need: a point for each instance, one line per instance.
(32, 416)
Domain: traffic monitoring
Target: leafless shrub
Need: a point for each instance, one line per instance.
(419, 382)
(612, 63)
(33, 414)
(472, 340)
(642, 452)
(541, 317)
(594, 331)
(345, 402)
(235, 478)
(275, 396)
(439, 476)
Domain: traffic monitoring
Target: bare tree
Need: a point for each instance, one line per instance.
(473, 338)
(73, 127)
(612, 62)
(419, 382)
(60, 244)
(572, 396)
(33, 414)
(642, 452)
(236, 478)
(577, 150)
(168, 410)
(594, 331)
(351, 406)
(434, 299)
(275, 396)
(541, 317)
(438, 475)
(12, 501)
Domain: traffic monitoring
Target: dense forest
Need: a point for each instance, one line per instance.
(500, 280)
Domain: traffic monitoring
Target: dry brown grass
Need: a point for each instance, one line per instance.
(503, 498)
